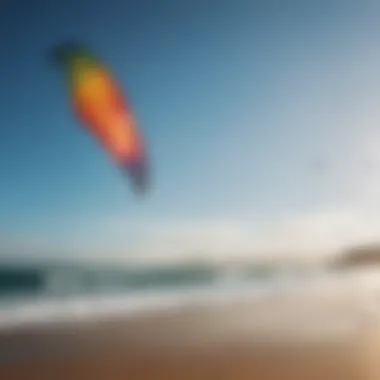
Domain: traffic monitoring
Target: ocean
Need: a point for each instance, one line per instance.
(67, 280)
(35, 294)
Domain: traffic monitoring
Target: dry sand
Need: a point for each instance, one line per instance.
(191, 343)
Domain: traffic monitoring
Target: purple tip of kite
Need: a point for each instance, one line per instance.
(138, 172)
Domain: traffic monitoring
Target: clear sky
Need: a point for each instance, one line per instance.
(262, 120)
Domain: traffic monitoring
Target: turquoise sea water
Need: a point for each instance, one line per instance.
(64, 280)
(42, 293)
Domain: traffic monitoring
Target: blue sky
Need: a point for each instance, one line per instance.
(261, 119)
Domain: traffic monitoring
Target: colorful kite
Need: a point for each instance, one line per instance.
(100, 105)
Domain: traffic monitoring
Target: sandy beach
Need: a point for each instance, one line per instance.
(204, 342)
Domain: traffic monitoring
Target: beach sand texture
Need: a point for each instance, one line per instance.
(243, 340)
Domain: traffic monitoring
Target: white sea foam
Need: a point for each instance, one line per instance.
(319, 303)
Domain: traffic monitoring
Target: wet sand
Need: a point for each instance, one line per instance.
(192, 343)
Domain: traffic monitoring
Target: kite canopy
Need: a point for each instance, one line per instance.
(102, 108)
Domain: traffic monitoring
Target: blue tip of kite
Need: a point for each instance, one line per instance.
(138, 172)
(60, 53)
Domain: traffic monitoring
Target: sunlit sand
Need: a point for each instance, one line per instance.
(285, 337)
